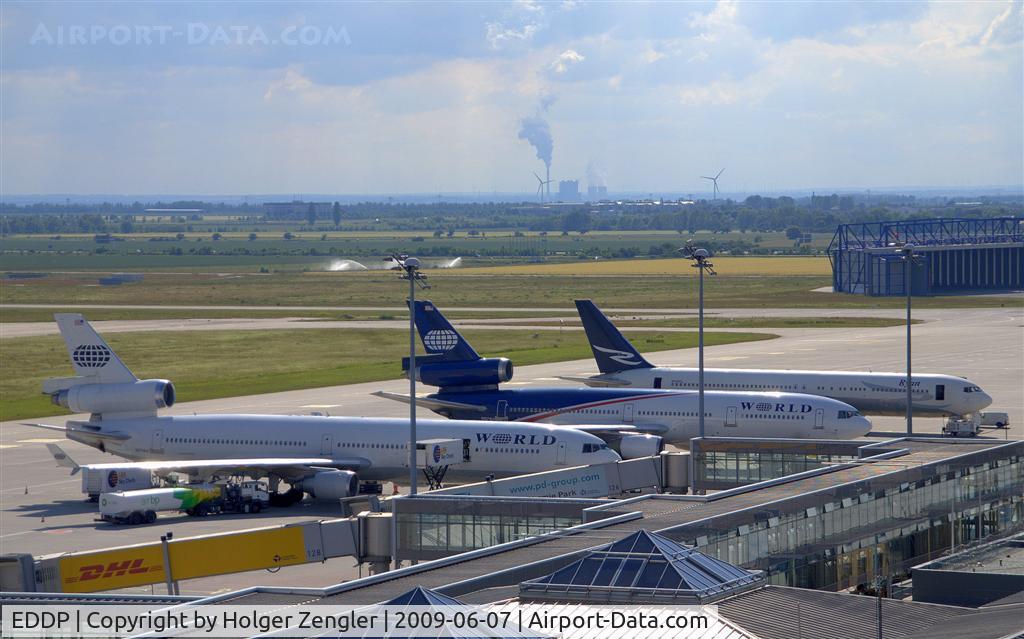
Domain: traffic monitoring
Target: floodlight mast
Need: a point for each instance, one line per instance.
(907, 252)
(410, 267)
(700, 262)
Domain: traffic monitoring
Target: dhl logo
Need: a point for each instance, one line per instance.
(113, 569)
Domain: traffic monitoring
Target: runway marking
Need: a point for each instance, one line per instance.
(58, 531)
(320, 406)
(8, 446)
(42, 440)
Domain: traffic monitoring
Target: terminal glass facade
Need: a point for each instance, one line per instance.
(839, 538)
(719, 469)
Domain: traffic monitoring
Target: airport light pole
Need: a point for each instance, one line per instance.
(700, 262)
(410, 267)
(907, 251)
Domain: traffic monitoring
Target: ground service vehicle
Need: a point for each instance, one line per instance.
(141, 506)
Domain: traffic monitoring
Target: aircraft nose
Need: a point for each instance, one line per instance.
(609, 455)
(862, 426)
(982, 400)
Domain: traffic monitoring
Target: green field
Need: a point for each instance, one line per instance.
(451, 289)
(210, 364)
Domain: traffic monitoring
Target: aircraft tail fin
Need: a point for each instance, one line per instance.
(440, 339)
(90, 355)
(612, 351)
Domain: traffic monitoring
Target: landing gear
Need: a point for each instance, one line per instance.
(279, 500)
(435, 475)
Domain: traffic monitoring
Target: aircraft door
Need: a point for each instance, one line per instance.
(158, 441)
(657, 382)
(627, 412)
(560, 454)
(819, 418)
(502, 412)
(325, 445)
(730, 416)
(940, 392)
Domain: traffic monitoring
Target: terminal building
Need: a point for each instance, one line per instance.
(792, 525)
(955, 256)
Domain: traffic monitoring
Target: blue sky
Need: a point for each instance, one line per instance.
(235, 98)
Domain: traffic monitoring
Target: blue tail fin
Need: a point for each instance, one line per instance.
(611, 350)
(439, 337)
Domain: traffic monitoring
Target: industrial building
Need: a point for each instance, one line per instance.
(954, 256)
(569, 190)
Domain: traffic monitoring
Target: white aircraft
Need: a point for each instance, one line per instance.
(870, 393)
(322, 456)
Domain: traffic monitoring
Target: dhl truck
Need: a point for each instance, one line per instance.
(198, 500)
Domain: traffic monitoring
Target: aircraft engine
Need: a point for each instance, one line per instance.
(331, 484)
(634, 446)
(482, 372)
(143, 395)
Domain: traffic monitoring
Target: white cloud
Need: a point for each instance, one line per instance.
(565, 60)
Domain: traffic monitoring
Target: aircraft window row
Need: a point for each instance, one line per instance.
(370, 445)
(593, 448)
(218, 440)
(758, 387)
(670, 413)
(596, 411)
(520, 451)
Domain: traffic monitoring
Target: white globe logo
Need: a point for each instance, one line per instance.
(441, 341)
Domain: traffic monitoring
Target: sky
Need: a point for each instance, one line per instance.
(292, 98)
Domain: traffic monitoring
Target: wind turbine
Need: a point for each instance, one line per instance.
(714, 180)
(540, 186)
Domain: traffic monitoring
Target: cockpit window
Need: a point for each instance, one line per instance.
(971, 389)
(593, 448)
(847, 414)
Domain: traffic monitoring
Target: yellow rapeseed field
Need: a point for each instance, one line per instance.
(768, 266)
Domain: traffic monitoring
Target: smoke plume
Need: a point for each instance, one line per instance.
(535, 130)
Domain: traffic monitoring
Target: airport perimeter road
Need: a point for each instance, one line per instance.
(550, 323)
(986, 345)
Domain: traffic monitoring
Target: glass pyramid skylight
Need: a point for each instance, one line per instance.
(643, 566)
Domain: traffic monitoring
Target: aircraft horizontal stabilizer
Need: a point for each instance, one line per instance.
(601, 382)
(85, 432)
(63, 459)
(431, 403)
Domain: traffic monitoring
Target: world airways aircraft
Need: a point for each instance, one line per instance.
(469, 390)
(322, 456)
(873, 393)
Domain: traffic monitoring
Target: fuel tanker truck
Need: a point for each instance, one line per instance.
(198, 500)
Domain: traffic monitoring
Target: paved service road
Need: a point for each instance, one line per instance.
(31, 329)
(986, 345)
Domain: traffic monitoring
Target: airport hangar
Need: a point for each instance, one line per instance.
(955, 256)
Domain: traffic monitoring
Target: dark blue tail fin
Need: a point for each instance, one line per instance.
(439, 337)
(611, 350)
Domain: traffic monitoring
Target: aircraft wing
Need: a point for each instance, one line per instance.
(600, 382)
(620, 429)
(432, 404)
(287, 467)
